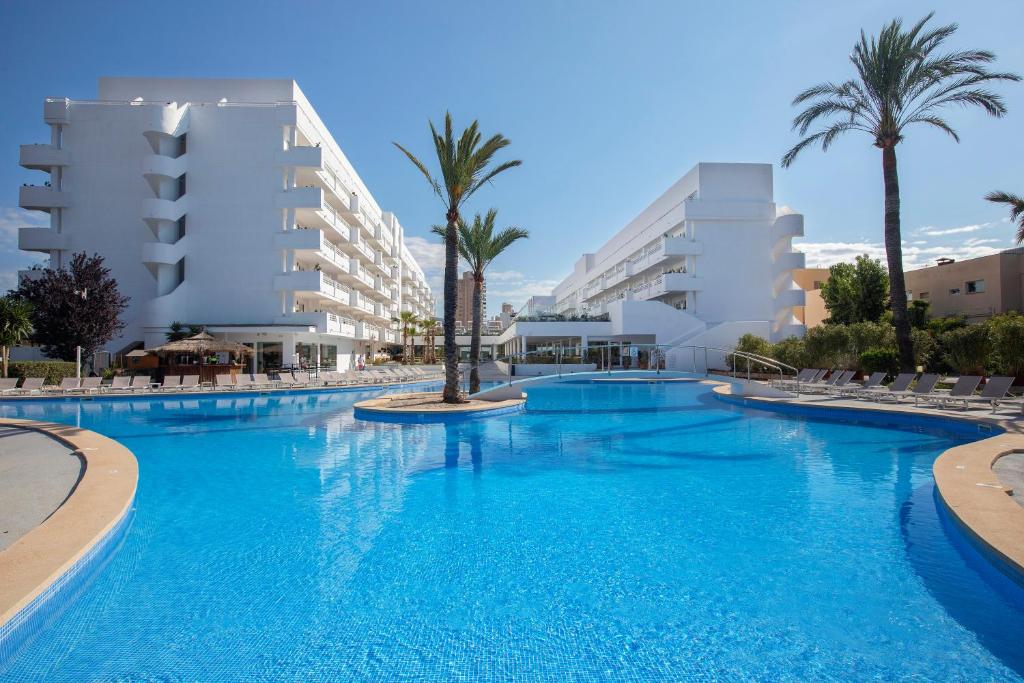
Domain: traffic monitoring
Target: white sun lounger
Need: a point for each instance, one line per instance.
(171, 382)
(872, 382)
(189, 382)
(91, 385)
(924, 386)
(225, 381)
(8, 385)
(898, 386)
(261, 380)
(31, 385)
(67, 385)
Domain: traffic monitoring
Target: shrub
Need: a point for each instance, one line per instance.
(866, 335)
(1006, 338)
(939, 326)
(750, 343)
(925, 347)
(52, 370)
(790, 351)
(917, 311)
(879, 360)
(828, 346)
(966, 349)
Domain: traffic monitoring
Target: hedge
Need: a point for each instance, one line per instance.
(52, 370)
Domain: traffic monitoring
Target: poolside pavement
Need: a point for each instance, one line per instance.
(37, 473)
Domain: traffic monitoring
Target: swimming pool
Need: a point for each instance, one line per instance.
(637, 532)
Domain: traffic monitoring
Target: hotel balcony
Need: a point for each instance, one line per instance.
(667, 283)
(789, 260)
(390, 336)
(790, 225)
(326, 322)
(55, 110)
(164, 209)
(316, 282)
(301, 198)
(313, 246)
(301, 156)
(788, 298)
(323, 218)
(363, 279)
(41, 239)
(162, 253)
(368, 332)
(42, 198)
(42, 157)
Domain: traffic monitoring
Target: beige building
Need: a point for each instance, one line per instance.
(813, 312)
(976, 288)
(464, 303)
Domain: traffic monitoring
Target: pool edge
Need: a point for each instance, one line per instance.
(51, 560)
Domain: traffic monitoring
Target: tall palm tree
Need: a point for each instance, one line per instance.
(407, 322)
(1016, 205)
(902, 79)
(479, 246)
(465, 166)
(15, 325)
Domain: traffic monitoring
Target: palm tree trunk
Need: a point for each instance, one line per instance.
(894, 256)
(451, 349)
(474, 347)
(4, 356)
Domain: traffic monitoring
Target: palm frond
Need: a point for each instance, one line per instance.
(1016, 204)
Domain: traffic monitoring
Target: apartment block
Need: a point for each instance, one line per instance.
(224, 203)
(974, 288)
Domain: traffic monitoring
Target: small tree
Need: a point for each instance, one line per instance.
(407, 322)
(790, 351)
(856, 292)
(15, 325)
(966, 349)
(1006, 336)
(918, 314)
(75, 306)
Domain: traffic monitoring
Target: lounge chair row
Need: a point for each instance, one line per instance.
(995, 392)
(123, 383)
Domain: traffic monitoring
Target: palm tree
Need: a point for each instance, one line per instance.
(428, 330)
(902, 79)
(478, 245)
(407, 322)
(465, 166)
(1016, 209)
(15, 325)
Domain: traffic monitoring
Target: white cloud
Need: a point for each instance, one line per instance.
(783, 210)
(932, 231)
(824, 254)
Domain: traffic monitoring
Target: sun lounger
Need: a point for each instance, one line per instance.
(898, 386)
(67, 385)
(994, 393)
(924, 386)
(91, 385)
(171, 383)
(224, 381)
(803, 377)
(8, 385)
(120, 382)
(286, 380)
(841, 382)
(243, 380)
(140, 383)
(964, 387)
(31, 385)
(189, 382)
(822, 385)
(261, 380)
(870, 384)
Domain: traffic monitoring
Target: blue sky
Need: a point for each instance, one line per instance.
(606, 104)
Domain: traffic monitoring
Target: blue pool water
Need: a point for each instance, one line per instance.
(618, 532)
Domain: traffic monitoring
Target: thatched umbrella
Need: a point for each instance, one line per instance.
(201, 345)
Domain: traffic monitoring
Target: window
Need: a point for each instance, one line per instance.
(910, 295)
(954, 291)
(975, 287)
(818, 284)
(924, 296)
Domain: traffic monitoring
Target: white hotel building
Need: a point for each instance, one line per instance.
(710, 260)
(228, 204)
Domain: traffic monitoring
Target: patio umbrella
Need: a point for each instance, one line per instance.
(202, 344)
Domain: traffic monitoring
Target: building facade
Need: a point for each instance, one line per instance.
(975, 288)
(228, 204)
(811, 280)
(464, 302)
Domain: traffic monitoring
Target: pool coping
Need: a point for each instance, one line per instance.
(379, 408)
(44, 562)
(964, 479)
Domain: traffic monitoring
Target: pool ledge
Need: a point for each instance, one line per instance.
(43, 562)
(964, 478)
(425, 407)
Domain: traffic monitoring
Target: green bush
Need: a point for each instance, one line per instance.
(867, 335)
(879, 360)
(829, 346)
(917, 311)
(925, 347)
(751, 343)
(938, 326)
(52, 370)
(1006, 337)
(966, 349)
(790, 351)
